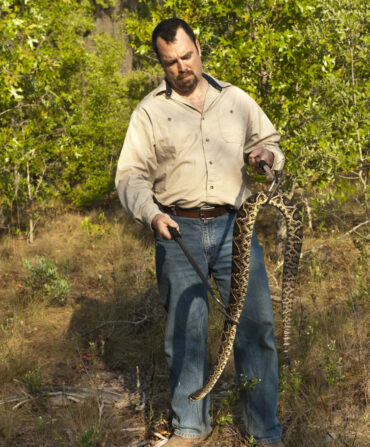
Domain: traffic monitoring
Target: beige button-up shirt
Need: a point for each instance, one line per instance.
(176, 155)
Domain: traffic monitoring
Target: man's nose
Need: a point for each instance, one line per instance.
(181, 65)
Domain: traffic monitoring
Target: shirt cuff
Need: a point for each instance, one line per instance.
(149, 214)
(279, 158)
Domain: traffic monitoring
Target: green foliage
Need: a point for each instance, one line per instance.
(223, 420)
(41, 48)
(333, 363)
(105, 3)
(33, 380)
(90, 438)
(96, 230)
(250, 441)
(95, 130)
(64, 106)
(45, 282)
(223, 416)
(290, 379)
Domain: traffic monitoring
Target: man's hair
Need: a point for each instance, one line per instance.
(167, 30)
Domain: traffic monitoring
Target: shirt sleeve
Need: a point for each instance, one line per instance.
(262, 134)
(136, 169)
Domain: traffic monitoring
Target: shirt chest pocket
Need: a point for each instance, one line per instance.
(172, 137)
(165, 139)
(232, 128)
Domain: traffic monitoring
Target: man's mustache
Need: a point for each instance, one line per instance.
(183, 75)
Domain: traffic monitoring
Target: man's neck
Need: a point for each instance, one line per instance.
(195, 97)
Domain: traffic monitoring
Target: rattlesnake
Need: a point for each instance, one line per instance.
(242, 237)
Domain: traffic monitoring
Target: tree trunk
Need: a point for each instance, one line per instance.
(30, 207)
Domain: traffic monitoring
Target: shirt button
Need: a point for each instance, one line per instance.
(211, 162)
(211, 187)
(207, 139)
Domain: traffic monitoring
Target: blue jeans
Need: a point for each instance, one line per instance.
(185, 300)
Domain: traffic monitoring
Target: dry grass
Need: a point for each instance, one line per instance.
(109, 334)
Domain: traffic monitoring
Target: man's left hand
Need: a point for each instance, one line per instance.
(257, 155)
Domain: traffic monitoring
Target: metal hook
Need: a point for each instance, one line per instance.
(275, 176)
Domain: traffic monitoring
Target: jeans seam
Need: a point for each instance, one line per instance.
(247, 412)
(200, 361)
(186, 434)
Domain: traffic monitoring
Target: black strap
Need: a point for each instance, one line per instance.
(177, 237)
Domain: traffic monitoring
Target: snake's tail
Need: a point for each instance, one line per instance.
(286, 330)
(238, 290)
(294, 245)
(221, 362)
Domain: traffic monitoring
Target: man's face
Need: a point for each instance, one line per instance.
(181, 61)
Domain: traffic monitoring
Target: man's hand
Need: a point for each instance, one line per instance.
(160, 224)
(257, 155)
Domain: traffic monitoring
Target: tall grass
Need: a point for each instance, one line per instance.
(108, 333)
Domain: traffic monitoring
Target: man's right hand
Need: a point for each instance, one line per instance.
(160, 224)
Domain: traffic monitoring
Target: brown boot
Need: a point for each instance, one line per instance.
(179, 441)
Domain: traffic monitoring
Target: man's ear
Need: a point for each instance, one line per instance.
(198, 47)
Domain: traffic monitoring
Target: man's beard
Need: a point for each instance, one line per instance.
(187, 85)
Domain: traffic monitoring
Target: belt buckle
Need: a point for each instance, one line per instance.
(203, 209)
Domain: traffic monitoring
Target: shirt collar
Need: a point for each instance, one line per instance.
(165, 87)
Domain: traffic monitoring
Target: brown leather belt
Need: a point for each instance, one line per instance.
(201, 213)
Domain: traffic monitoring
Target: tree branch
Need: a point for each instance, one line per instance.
(113, 322)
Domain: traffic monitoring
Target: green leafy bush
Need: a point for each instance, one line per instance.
(98, 229)
(44, 281)
(33, 380)
(90, 438)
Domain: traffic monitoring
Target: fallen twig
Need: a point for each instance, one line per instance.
(161, 443)
(9, 400)
(100, 403)
(333, 435)
(141, 398)
(68, 396)
(271, 275)
(159, 436)
(357, 227)
(105, 323)
(141, 428)
(139, 444)
(19, 404)
(77, 395)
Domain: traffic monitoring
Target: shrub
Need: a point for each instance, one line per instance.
(45, 282)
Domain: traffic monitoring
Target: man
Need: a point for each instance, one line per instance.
(183, 165)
